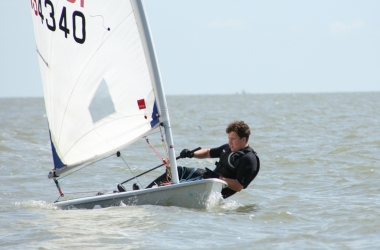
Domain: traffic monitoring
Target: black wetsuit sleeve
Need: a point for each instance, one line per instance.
(216, 152)
(247, 169)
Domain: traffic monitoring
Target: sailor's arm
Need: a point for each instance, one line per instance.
(246, 168)
(232, 183)
(202, 153)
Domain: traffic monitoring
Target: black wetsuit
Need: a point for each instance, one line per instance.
(242, 165)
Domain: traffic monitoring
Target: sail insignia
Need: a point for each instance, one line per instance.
(57, 161)
(155, 116)
(101, 105)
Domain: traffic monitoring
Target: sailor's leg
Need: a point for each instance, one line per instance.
(184, 174)
(190, 174)
(226, 192)
(158, 181)
(163, 178)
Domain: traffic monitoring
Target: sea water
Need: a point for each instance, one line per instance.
(318, 187)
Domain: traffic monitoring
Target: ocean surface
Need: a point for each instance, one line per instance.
(318, 187)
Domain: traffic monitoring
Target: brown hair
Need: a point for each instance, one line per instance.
(240, 127)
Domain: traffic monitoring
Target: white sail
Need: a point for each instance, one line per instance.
(100, 78)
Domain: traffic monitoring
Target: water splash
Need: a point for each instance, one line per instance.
(35, 204)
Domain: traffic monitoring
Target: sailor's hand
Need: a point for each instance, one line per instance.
(186, 154)
(210, 174)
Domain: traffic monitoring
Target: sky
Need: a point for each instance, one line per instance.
(227, 47)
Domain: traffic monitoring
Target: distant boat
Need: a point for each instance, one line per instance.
(103, 92)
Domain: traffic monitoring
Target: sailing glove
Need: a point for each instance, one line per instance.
(186, 154)
(210, 174)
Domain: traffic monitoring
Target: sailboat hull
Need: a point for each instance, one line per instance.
(194, 194)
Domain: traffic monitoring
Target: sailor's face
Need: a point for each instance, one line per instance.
(235, 142)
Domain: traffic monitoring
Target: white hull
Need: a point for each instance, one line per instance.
(193, 194)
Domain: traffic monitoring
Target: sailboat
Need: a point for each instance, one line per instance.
(103, 92)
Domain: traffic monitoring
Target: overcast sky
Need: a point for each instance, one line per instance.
(230, 46)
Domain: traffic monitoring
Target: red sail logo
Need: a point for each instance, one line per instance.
(81, 2)
(141, 104)
(33, 4)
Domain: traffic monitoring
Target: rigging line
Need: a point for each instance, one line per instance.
(57, 198)
(131, 170)
(168, 170)
(165, 147)
(155, 151)
(188, 178)
(68, 100)
(164, 144)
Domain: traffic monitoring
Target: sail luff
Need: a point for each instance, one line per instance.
(157, 83)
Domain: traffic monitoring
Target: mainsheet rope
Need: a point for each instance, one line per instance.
(131, 171)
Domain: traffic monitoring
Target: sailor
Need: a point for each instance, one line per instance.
(238, 163)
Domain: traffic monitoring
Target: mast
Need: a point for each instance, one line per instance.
(156, 80)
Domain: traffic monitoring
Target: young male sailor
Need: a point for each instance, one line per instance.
(238, 163)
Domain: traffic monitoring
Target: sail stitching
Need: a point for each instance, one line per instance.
(96, 132)
(63, 118)
(43, 59)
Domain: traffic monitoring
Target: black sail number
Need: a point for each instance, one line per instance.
(40, 11)
(63, 22)
(80, 16)
(52, 26)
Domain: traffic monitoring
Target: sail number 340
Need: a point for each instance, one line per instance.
(78, 18)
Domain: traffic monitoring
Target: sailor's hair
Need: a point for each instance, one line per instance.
(240, 127)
